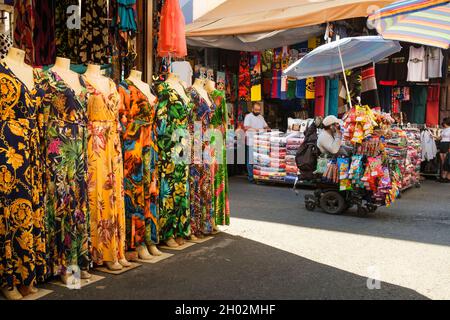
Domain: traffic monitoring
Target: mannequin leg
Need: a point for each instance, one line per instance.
(27, 290)
(143, 253)
(85, 275)
(172, 243)
(154, 251)
(113, 266)
(13, 294)
(180, 241)
(125, 263)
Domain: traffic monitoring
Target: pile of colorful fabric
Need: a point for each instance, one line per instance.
(293, 143)
(269, 156)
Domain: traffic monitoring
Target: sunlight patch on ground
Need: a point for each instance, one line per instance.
(418, 266)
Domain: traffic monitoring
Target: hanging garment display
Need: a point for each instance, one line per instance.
(172, 34)
(105, 176)
(219, 121)
(320, 97)
(140, 154)
(432, 109)
(221, 80)
(244, 78)
(5, 44)
(292, 89)
(284, 79)
(44, 32)
(65, 159)
(202, 211)
(184, 70)
(419, 102)
(369, 90)
(333, 97)
(417, 65)
(255, 75)
(276, 74)
(22, 230)
(435, 58)
(127, 16)
(24, 28)
(94, 45)
(67, 39)
(327, 96)
(428, 146)
(300, 92)
(172, 116)
(310, 89)
(385, 98)
(393, 68)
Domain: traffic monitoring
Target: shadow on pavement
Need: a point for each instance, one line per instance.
(421, 215)
(229, 267)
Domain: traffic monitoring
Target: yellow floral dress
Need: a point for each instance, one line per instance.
(105, 176)
(22, 232)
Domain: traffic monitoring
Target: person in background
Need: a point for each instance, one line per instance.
(330, 139)
(444, 149)
(253, 123)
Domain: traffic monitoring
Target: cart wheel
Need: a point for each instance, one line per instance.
(332, 202)
(372, 208)
(363, 211)
(310, 202)
(418, 185)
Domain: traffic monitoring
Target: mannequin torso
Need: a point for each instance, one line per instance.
(72, 79)
(175, 84)
(96, 79)
(136, 78)
(199, 86)
(15, 60)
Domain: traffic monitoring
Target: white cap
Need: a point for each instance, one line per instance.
(330, 120)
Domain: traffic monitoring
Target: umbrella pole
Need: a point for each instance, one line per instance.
(349, 98)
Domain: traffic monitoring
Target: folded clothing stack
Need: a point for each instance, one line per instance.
(270, 153)
(293, 143)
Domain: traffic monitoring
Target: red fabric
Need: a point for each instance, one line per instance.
(320, 97)
(432, 117)
(389, 83)
(172, 31)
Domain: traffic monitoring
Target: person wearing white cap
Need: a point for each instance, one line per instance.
(330, 139)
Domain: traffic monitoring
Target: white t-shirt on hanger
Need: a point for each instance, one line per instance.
(184, 70)
(435, 59)
(417, 66)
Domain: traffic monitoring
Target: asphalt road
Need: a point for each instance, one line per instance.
(275, 249)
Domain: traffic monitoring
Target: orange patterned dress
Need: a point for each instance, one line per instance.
(105, 176)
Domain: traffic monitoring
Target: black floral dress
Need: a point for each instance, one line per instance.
(22, 232)
(65, 158)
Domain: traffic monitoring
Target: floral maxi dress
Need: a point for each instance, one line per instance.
(22, 231)
(202, 210)
(105, 176)
(67, 215)
(173, 118)
(219, 122)
(140, 153)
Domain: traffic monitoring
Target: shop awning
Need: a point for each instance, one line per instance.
(237, 17)
(258, 41)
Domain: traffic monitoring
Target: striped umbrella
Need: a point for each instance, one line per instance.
(424, 22)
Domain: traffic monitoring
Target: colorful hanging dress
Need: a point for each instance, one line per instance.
(22, 230)
(173, 115)
(219, 121)
(140, 153)
(65, 139)
(200, 179)
(105, 176)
